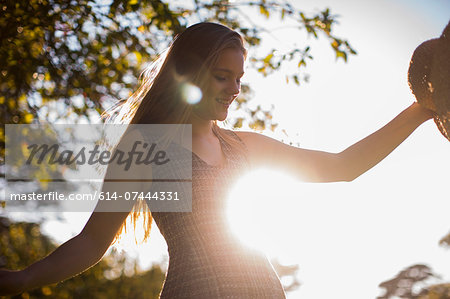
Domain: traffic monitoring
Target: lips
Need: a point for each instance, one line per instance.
(224, 101)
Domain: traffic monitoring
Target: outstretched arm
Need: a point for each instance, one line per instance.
(318, 166)
(70, 259)
(88, 247)
(369, 151)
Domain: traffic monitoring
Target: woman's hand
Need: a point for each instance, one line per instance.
(422, 111)
(12, 282)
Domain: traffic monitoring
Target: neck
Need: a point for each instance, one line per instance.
(200, 127)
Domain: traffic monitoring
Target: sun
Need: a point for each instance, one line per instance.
(262, 209)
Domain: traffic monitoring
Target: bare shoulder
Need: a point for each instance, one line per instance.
(244, 135)
(262, 149)
(256, 140)
(251, 137)
(308, 165)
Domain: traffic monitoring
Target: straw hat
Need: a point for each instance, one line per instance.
(429, 78)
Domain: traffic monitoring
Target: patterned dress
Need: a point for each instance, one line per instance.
(205, 259)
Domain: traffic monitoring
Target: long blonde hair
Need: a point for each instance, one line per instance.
(159, 98)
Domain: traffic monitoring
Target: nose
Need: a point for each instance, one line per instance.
(234, 88)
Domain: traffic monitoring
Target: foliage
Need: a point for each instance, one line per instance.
(445, 241)
(437, 291)
(407, 282)
(402, 285)
(23, 243)
(411, 283)
(64, 59)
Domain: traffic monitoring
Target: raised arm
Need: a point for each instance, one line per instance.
(71, 258)
(317, 166)
(89, 246)
(369, 151)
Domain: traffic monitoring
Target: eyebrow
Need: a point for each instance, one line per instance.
(226, 71)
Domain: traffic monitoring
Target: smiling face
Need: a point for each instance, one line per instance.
(223, 85)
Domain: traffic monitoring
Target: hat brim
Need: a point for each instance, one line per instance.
(429, 78)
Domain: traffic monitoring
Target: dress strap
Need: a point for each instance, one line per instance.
(237, 152)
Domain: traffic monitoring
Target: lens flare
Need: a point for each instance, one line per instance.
(191, 93)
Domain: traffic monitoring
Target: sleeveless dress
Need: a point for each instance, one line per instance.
(205, 259)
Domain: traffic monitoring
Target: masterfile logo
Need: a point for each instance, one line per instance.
(80, 164)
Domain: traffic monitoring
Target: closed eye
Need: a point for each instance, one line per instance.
(219, 78)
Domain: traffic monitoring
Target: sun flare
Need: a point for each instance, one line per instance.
(261, 209)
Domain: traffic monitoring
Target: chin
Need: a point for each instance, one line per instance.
(219, 115)
(221, 118)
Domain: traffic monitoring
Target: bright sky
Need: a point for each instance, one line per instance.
(348, 237)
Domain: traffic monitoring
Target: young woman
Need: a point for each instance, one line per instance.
(206, 261)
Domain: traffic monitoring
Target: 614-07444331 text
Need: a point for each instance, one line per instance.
(58, 196)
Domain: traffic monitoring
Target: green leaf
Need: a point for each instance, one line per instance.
(268, 58)
(263, 10)
(341, 54)
(138, 56)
